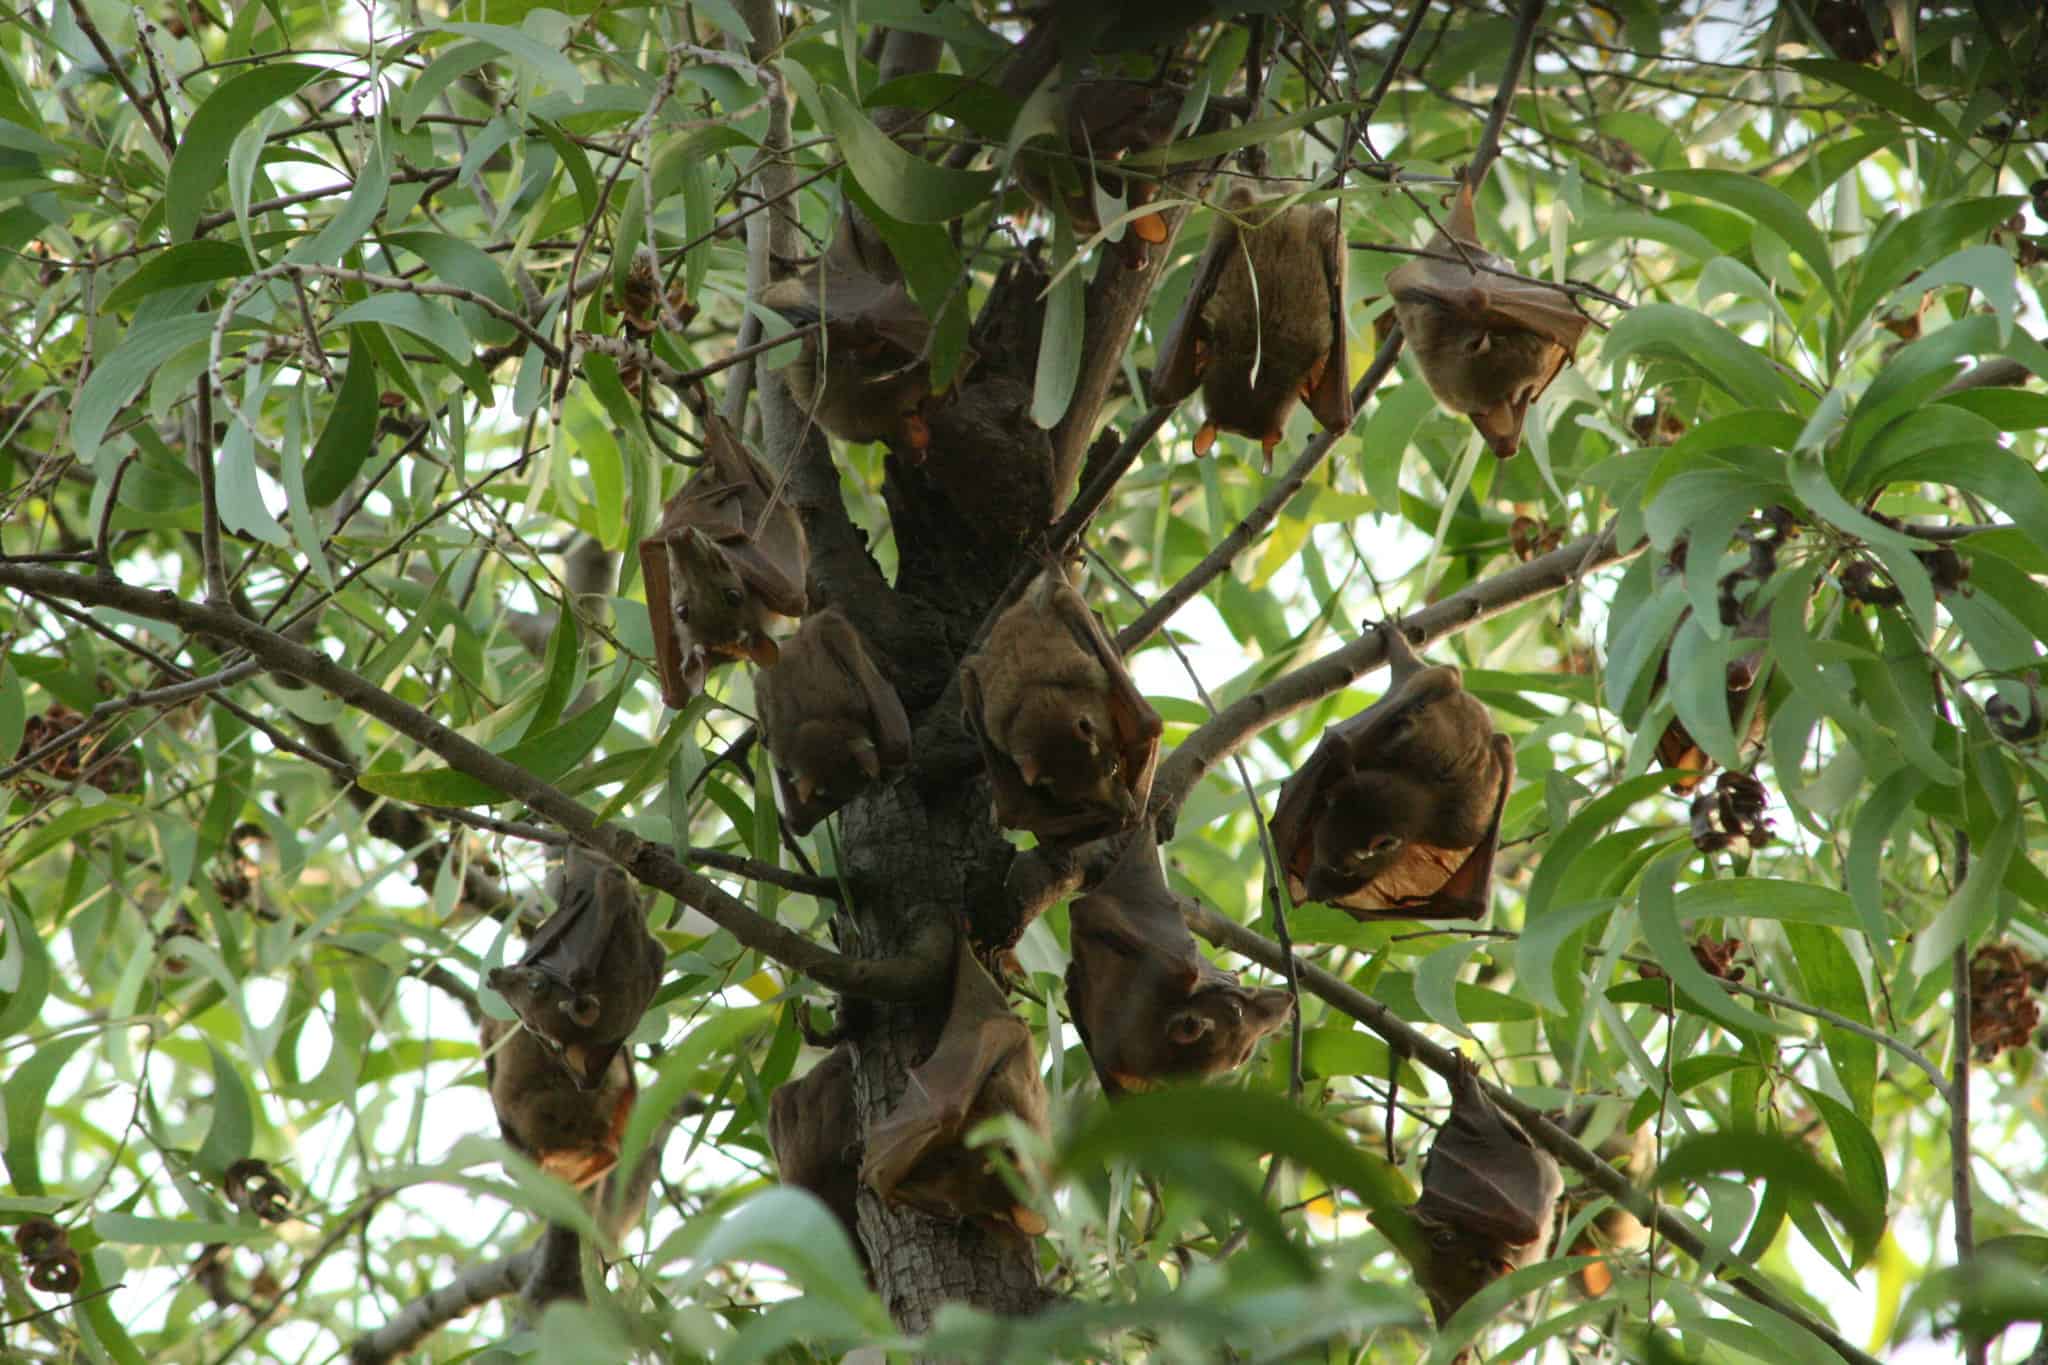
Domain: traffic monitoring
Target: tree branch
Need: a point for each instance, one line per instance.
(1260, 517)
(1226, 933)
(903, 978)
(1288, 693)
(474, 1287)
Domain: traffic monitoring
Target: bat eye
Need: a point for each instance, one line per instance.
(1383, 843)
(683, 612)
(733, 597)
(1443, 1238)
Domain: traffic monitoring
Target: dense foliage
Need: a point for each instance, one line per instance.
(383, 333)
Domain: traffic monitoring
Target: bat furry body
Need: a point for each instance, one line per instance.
(1263, 324)
(588, 972)
(1147, 1004)
(1397, 813)
(982, 1066)
(1487, 345)
(1105, 119)
(571, 1130)
(1069, 741)
(727, 559)
(1488, 1198)
(830, 720)
(865, 378)
(815, 1131)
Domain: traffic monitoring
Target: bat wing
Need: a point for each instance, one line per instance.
(1138, 726)
(676, 663)
(815, 1131)
(1302, 797)
(1181, 356)
(1330, 398)
(913, 1152)
(754, 521)
(885, 709)
(1485, 1176)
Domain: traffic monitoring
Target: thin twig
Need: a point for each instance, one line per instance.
(1227, 933)
(1976, 1348)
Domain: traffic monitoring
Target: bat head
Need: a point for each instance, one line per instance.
(1219, 1029)
(711, 600)
(1068, 751)
(828, 762)
(1363, 832)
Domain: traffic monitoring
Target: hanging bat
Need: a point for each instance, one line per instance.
(1069, 741)
(1397, 813)
(728, 557)
(1488, 345)
(830, 720)
(815, 1131)
(1614, 1228)
(588, 972)
(1147, 1004)
(863, 376)
(571, 1130)
(1263, 325)
(983, 1065)
(1488, 1197)
(1106, 119)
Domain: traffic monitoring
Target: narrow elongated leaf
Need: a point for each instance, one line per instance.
(202, 155)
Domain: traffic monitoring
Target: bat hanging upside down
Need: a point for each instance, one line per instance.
(1397, 813)
(1263, 325)
(728, 557)
(1488, 346)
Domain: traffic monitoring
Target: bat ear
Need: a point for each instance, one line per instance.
(1084, 726)
(1188, 1027)
(864, 755)
(582, 1009)
(805, 788)
(1027, 768)
(764, 651)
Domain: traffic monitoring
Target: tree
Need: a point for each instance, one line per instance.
(352, 350)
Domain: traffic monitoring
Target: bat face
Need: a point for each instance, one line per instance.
(983, 1065)
(1488, 346)
(1397, 813)
(588, 972)
(1263, 325)
(815, 1131)
(1489, 1195)
(1147, 1004)
(831, 721)
(728, 557)
(570, 1131)
(1069, 741)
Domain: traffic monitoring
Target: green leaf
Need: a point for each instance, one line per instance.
(231, 1123)
(546, 756)
(904, 185)
(1059, 341)
(1436, 979)
(1765, 204)
(27, 1091)
(1759, 1156)
(202, 155)
(1701, 346)
(1657, 913)
(1883, 91)
(24, 970)
(550, 66)
(1968, 913)
(171, 1232)
(122, 372)
(351, 430)
(186, 263)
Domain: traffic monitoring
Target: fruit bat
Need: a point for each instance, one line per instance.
(1488, 346)
(983, 1065)
(862, 376)
(1488, 1197)
(1104, 120)
(1147, 1004)
(830, 720)
(815, 1131)
(571, 1130)
(727, 558)
(588, 972)
(1397, 813)
(1614, 1227)
(1069, 742)
(1263, 324)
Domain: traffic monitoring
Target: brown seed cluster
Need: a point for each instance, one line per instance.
(2003, 1011)
(1732, 813)
(53, 1267)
